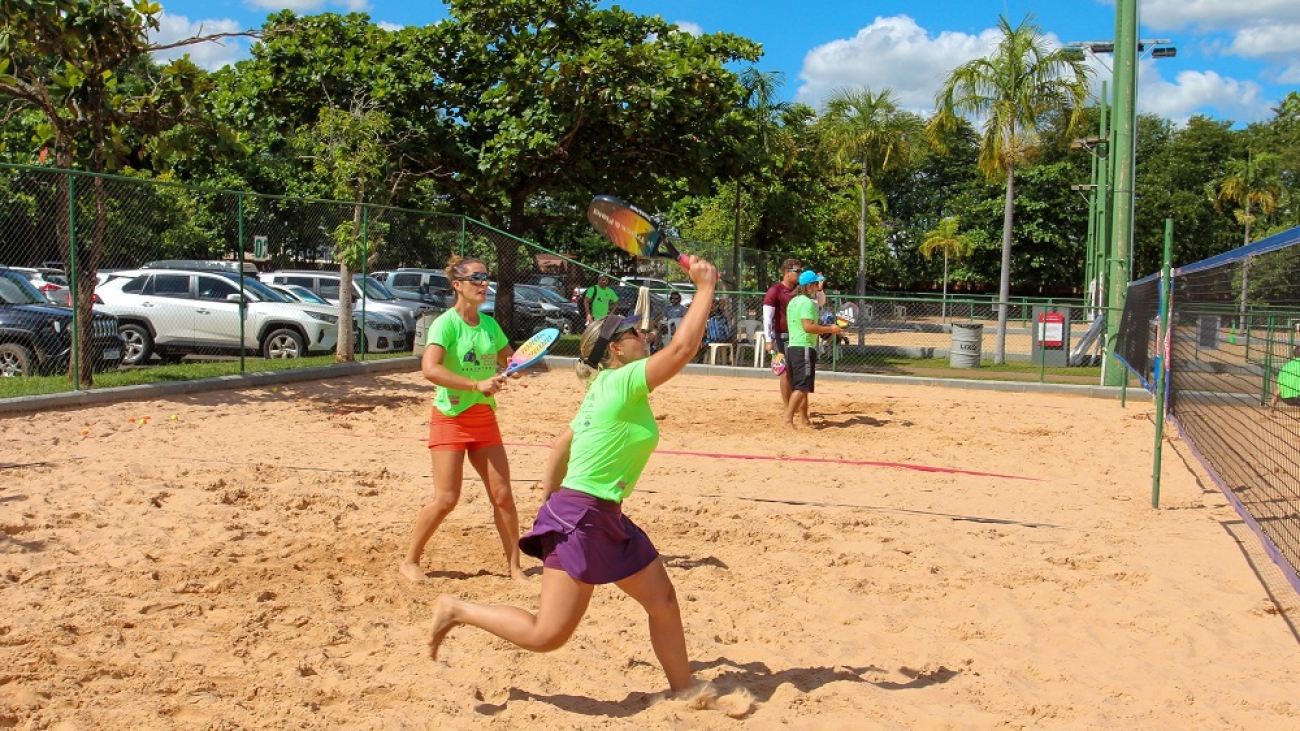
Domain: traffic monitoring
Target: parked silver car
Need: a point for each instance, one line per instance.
(376, 297)
(384, 333)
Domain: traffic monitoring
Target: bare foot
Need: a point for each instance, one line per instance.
(443, 622)
(805, 422)
(789, 425)
(411, 570)
(517, 574)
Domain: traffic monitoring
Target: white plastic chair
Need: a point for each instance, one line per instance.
(713, 353)
(752, 336)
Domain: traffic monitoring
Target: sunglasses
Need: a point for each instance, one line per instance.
(796, 270)
(476, 278)
(633, 331)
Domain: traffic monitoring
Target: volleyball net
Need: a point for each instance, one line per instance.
(1233, 360)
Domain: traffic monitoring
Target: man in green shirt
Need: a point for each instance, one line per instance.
(1288, 382)
(801, 353)
(600, 299)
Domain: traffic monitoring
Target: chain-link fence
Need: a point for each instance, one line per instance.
(183, 275)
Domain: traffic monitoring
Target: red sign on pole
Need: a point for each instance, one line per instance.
(1051, 329)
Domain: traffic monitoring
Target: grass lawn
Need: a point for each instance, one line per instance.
(183, 371)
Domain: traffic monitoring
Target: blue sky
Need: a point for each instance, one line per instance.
(1236, 60)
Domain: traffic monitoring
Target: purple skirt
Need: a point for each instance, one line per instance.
(588, 538)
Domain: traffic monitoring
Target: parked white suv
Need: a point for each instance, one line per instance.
(377, 297)
(173, 312)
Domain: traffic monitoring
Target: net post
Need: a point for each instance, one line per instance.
(1162, 344)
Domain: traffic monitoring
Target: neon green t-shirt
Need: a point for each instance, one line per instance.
(801, 308)
(602, 298)
(471, 351)
(614, 434)
(1288, 379)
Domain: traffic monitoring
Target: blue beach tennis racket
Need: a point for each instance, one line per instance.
(531, 350)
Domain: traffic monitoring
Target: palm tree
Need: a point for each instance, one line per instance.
(761, 108)
(869, 132)
(1253, 185)
(1014, 90)
(945, 238)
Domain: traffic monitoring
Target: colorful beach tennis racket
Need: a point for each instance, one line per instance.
(778, 363)
(632, 230)
(531, 350)
(842, 322)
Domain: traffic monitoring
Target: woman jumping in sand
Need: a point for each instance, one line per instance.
(580, 533)
(463, 351)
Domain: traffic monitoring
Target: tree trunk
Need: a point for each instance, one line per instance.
(862, 233)
(1004, 284)
(735, 244)
(1245, 274)
(343, 350)
(943, 317)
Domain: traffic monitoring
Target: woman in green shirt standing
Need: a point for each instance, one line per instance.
(801, 354)
(461, 357)
(581, 533)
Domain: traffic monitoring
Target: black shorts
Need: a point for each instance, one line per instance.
(802, 364)
(1291, 401)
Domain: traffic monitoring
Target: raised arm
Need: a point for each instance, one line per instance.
(670, 361)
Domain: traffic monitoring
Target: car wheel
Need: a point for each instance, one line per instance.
(283, 343)
(137, 344)
(15, 360)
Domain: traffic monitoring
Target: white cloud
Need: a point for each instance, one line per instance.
(1211, 15)
(1267, 40)
(687, 26)
(210, 55)
(389, 26)
(1194, 92)
(893, 53)
(311, 6)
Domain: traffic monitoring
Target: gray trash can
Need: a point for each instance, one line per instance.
(422, 333)
(967, 339)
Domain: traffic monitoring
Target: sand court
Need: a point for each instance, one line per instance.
(925, 558)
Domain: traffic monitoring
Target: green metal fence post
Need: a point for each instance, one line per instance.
(1162, 346)
(243, 307)
(72, 264)
(365, 253)
(1267, 385)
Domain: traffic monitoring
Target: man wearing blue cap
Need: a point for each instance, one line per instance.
(801, 354)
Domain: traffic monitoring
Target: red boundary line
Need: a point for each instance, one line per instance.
(821, 460)
(769, 458)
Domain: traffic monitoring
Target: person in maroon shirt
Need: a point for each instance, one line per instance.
(774, 324)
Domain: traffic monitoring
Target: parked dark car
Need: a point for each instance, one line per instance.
(558, 311)
(552, 282)
(36, 336)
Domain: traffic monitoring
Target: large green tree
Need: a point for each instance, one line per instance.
(867, 132)
(1015, 90)
(64, 59)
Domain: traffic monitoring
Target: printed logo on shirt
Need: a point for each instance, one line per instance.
(471, 357)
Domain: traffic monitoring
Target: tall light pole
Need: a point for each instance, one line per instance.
(1123, 149)
(1115, 226)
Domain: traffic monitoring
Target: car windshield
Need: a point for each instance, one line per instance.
(16, 290)
(374, 289)
(306, 295)
(549, 295)
(260, 290)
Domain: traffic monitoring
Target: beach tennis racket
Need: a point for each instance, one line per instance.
(531, 350)
(778, 363)
(630, 229)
